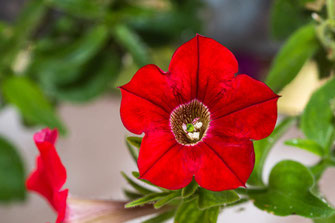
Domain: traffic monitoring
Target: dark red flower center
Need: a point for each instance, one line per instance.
(189, 122)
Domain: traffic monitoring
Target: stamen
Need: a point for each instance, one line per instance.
(194, 135)
(198, 125)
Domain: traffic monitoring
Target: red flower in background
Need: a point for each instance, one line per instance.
(50, 174)
(198, 118)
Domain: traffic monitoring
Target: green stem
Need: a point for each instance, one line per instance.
(331, 9)
(319, 168)
(330, 143)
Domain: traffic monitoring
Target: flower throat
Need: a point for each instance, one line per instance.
(189, 122)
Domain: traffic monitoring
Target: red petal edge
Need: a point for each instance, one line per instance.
(50, 175)
(147, 101)
(200, 68)
(163, 161)
(247, 110)
(225, 163)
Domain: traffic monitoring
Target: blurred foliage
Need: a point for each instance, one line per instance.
(292, 56)
(309, 30)
(12, 177)
(287, 16)
(77, 50)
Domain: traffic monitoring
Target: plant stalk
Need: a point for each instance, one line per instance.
(331, 9)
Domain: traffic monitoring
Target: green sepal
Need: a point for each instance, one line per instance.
(131, 195)
(190, 189)
(149, 198)
(137, 175)
(135, 141)
(133, 151)
(162, 217)
(136, 186)
(167, 199)
(189, 212)
(208, 199)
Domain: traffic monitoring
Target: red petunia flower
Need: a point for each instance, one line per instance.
(50, 174)
(198, 118)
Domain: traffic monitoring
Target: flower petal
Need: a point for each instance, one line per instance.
(147, 100)
(46, 135)
(199, 67)
(247, 110)
(50, 174)
(225, 164)
(60, 200)
(38, 182)
(162, 161)
(53, 170)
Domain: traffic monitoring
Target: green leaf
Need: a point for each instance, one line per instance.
(331, 219)
(92, 82)
(306, 144)
(317, 118)
(208, 199)
(132, 42)
(289, 192)
(188, 212)
(291, 57)
(190, 189)
(136, 186)
(63, 65)
(137, 175)
(161, 217)
(81, 8)
(287, 16)
(31, 102)
(12, 179)
(167, 199)
(150, 198)
(263, 147)
(325, 66)
(135, 141)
